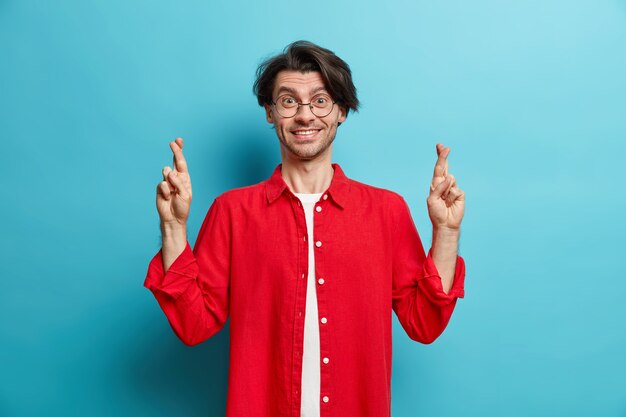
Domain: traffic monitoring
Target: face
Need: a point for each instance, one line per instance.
(303, 136)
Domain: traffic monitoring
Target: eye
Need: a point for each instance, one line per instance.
(288, 101)
(321, 100)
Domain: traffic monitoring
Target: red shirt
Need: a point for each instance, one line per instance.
(250, 260)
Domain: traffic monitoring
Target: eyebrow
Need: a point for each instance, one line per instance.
(294, 92)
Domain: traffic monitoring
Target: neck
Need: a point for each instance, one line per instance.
(307, 177)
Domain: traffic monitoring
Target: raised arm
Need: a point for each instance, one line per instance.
(427, 286)
(191, 286)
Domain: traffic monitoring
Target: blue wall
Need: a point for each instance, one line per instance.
(530, 96)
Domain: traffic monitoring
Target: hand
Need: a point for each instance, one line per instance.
(446, 201)
(174, 192)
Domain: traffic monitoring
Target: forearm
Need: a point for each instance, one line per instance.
(174, 239)
(180, 296)
(444, 253)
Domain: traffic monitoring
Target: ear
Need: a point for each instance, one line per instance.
(269, 116)
(343, 114)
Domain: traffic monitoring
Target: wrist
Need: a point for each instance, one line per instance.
(445, 241)
(446, 231)
(173, 229)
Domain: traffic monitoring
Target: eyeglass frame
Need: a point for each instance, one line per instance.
(302, 104)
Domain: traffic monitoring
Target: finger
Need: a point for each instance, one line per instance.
(440, 148)
(440, 188)
(452, 196)
(179, 142)
(452, 184)
(180, 187)
(180, 164)
(164, 189)
(435, 182)
(440, 173)
(441, 166)
(166, 172)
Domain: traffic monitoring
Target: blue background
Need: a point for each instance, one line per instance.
(530, 96)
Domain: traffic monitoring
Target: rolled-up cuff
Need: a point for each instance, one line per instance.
(431, 283)
(178, 277)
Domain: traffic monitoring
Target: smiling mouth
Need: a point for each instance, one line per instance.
(305, 133)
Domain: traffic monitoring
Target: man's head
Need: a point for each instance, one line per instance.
(305, 73)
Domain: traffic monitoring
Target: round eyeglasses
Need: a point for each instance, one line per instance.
(321, 105)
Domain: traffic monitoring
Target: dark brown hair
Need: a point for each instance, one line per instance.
(306, 56)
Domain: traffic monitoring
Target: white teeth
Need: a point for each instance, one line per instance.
(305, 132)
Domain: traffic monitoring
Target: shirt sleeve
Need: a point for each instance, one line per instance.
(418, 299)
(194, 292)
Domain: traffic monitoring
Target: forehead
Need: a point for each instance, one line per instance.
(302, 83)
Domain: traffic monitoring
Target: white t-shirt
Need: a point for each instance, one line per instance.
(310, 405)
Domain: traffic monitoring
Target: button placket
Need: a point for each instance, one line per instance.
(322, 211)
(301, 302)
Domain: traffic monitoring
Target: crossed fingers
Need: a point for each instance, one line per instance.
(180, 164)
(172, 181)
(443, 185)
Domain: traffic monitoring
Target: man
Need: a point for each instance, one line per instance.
(309, 264)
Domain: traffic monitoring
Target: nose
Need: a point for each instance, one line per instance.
(304, 113)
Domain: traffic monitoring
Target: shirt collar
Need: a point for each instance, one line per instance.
(275, 185)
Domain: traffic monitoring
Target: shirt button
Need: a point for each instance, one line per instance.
(325, 360)
(318, 243)
(325, 196)
(304, 238)
(302, 275)
(299, 313)
(318, 208)
(323, 320)
(321, 281)
(325, 398)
